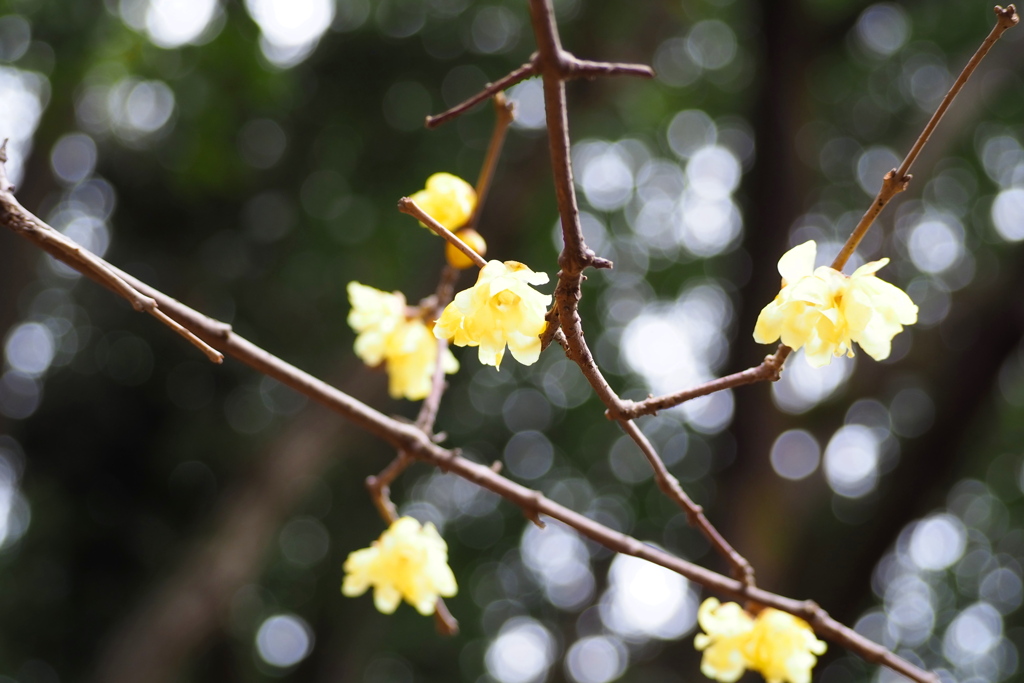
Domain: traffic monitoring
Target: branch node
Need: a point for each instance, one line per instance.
(496, 467)
(531, 510)
(1007, 17)
(895, 184)
(445, 463)
(815, 614)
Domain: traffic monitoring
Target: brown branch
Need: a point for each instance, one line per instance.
(552, 63)
(556, 65)
(896, 180)
(769, 369)
(521, 74)
(669, 485)
(505, 112)
(19, 219)
(408, 438)
(570, 68)
(583, 68)
(380, 486)
(408, 206)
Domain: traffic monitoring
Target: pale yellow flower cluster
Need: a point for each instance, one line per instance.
(408, 562)
(405, 345)
(779, 646)
(824, 312)
(501, 308)
(448, 199)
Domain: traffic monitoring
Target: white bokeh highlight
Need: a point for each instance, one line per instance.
(284, 640)
(290, 29)
(645, 601)
(522, 653)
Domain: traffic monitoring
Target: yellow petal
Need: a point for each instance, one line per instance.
(447, 199)
(500, 309)
(798, 261)
(407, 562)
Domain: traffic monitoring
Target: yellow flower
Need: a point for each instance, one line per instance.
(448, 199)
(727, 629)
(501, 308)
(411, 358)
(782, 647)
(375, 316)
(407, 562)
(779, 646)
(404, 345)
(469, 236)
(824, 312)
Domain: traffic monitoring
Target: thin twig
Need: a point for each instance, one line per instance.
(408, 206)
(521, 74)
(896, 180)
(21, 220)
(505, 112)
(584, 68)
(768, 370)
(669, 485)
(380, 486)
(570, 68)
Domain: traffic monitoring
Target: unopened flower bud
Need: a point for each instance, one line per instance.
(473, 239)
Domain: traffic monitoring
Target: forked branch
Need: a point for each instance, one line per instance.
(894, 182)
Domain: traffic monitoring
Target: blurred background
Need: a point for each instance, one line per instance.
(165, 519)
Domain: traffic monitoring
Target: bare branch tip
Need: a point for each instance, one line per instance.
(446, 624)
(1007, 17)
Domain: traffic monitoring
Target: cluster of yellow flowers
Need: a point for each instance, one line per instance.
(776, 644)
(408, 562)
(451, 201)
(824, 312)
(405, 345)
(501, 308)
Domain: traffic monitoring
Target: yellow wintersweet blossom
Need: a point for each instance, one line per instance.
(727, 629)
(375, 316)
(448, 199)
(411, 359)
(405, 345)
(501, 308)
(779, 646)
(824, 312)
(407, 562)
(782, 647)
